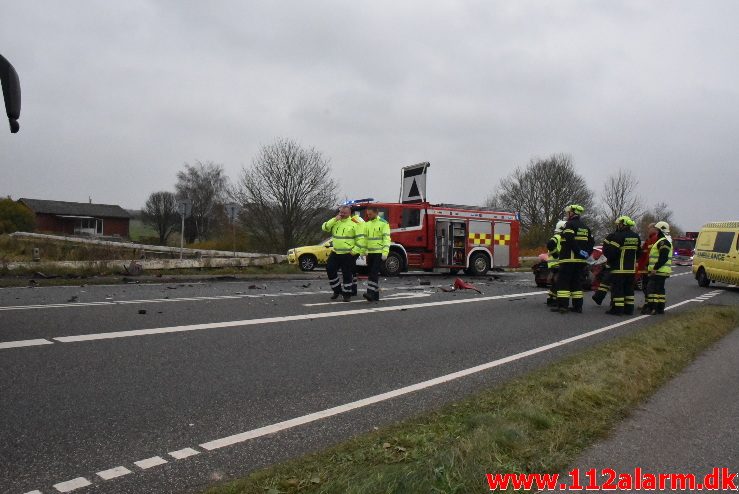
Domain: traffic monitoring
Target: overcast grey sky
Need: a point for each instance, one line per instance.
(118, 95)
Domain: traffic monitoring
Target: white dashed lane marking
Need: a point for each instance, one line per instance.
(181, 454)
(113, 473)
(71, 485)
(305, 419)
(152, 462)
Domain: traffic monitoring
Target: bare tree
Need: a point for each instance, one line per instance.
(619, 197)
(160, 212)
(540, 192)
(285, 194)
(206, 185)
(660, 212)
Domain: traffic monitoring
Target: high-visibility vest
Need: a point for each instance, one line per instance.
(376, 238)
(344, 235)
(666, 268)
(553, 260)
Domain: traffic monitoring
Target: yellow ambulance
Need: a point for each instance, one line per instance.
(717, 253)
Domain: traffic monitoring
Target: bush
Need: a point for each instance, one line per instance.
(15, 217)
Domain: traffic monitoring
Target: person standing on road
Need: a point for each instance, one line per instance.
(577, 244)
(376, 247)
(643, 263)
(554, 246)
(344, 247)
(605, 277)
(356, 218)
(625, 245)
(659, 268)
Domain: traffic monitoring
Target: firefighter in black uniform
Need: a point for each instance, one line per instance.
(624, 245)
(605, 277)
(577, 244)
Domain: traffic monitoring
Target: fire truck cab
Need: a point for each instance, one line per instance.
(447, 237)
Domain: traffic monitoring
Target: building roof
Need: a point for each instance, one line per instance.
(63, 208)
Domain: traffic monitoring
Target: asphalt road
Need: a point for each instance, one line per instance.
(217, 379)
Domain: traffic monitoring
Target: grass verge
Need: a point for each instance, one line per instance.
(537, 423)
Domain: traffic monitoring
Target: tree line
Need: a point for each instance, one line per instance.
(283, 197)
(542, 189)
(288, 190)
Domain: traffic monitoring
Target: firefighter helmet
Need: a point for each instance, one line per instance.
(575, 208)
(662, 226)
(625, 220)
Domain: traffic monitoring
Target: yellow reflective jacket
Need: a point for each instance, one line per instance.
(376, 239)
(345, 234)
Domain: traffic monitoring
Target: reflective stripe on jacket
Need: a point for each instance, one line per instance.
(577, 242)
(660, 257)
(344, 235)
(376, 239)
(554, 247)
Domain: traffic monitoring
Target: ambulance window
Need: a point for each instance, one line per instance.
(723, 242)
(411, 217)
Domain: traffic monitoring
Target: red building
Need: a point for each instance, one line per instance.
(78, 218)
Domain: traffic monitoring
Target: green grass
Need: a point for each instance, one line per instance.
(537, 423)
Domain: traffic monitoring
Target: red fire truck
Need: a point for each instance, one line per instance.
(447, 237)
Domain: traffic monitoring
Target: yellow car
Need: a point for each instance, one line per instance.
(310, 256)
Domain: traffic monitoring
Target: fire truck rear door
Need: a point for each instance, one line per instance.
(501, 244)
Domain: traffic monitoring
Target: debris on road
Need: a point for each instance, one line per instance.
(73, 298)
(142, 311)
(424, 282)
(460, 284)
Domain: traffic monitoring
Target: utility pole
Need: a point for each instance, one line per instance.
(184, 206)
(232, 210)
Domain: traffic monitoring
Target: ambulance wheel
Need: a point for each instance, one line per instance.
(392, 265)
(307, 262)
(479, 264)
(702, 278)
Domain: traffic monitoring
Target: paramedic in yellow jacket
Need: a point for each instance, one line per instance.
(346, 235)
(375, 245)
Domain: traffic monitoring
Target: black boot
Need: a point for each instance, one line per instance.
(368, 297)
(335, 295)
(615, 311)
(347, 298)
(598, 297)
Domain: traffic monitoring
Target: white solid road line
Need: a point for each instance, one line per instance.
(394, 296)
(22, 343)
(33, 492)
(305, 419)
(157, 300)
(269, 320)
(71, 485)
(154, 461)
(113, 473)
(181, 454)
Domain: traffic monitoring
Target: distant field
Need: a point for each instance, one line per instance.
(138, 231)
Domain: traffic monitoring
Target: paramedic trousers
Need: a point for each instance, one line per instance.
(569, 284)
(622, 293)
(374, 262)
(656, 297)
(345, 263)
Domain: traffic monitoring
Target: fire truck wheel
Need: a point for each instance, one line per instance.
(392, 265)
(479, 264)
(307, 262)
